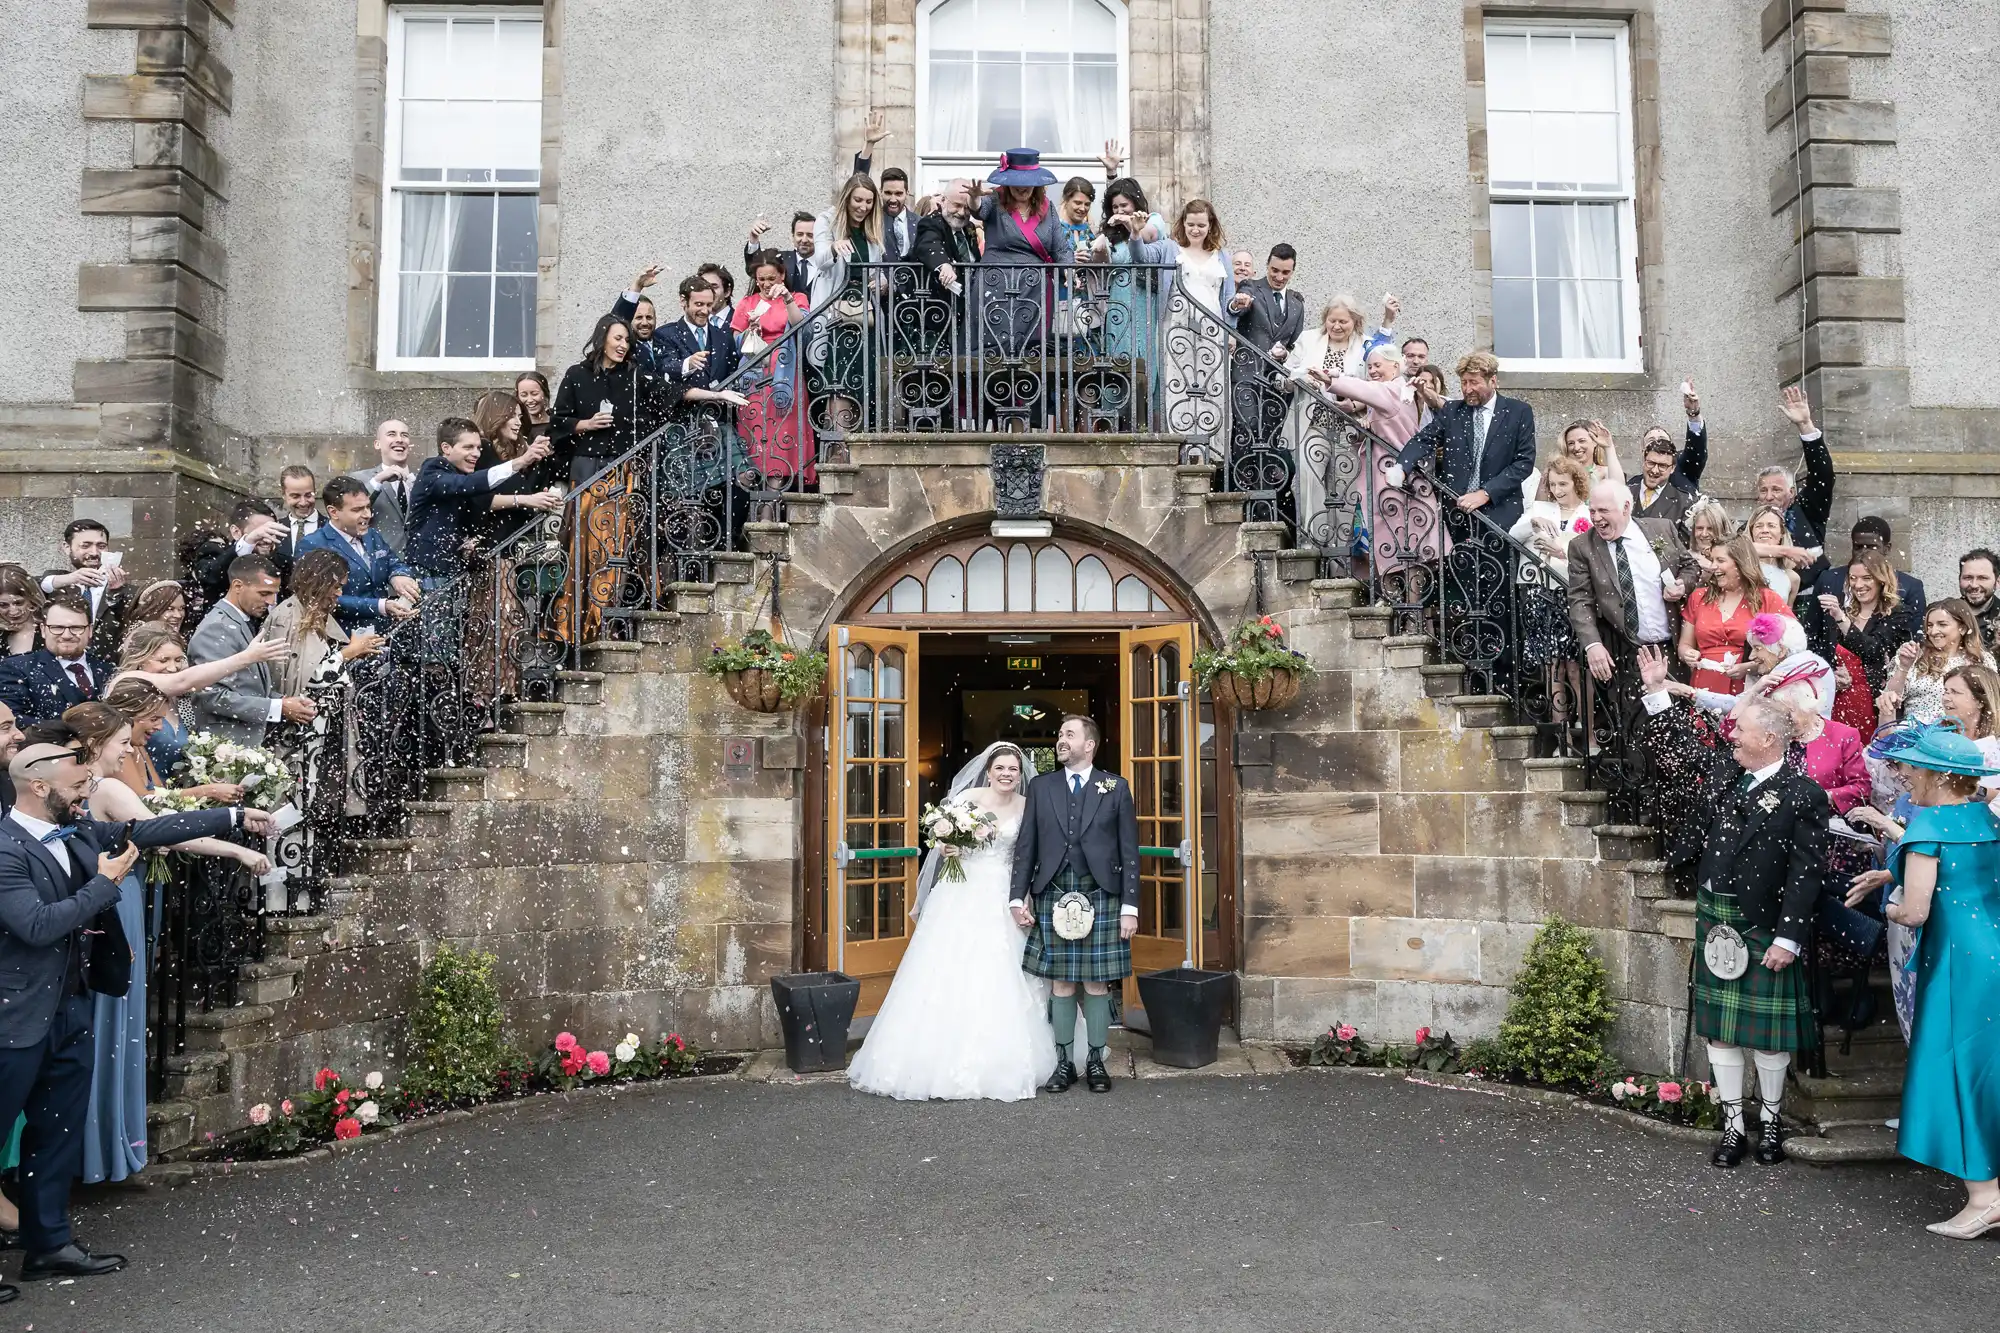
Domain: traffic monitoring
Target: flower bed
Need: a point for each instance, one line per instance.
(334, 1112)
(1676, 1102)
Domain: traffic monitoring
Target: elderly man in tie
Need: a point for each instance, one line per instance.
(59, 872)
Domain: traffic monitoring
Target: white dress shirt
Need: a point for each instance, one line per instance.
(41, 828)
(96, 595)
(1653, 624)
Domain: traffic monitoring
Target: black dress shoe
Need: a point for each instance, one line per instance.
(10, 1240)
(1770, 1144)
(1095, 1076)
(71, 1260)
(1060, 1080)
(8, 1292)
(1730, 1151)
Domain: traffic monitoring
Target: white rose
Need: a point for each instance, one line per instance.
(624, 1050)
(631, 1039)
(374, 1080)
(367, 1113)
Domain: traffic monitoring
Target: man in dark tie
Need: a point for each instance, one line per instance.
(798, 276)
(389, 482)
(299, 504)
(693, 352)
(98, 574)
(59, 872)
(1481, 444)
(1269, 318)
(60, 674)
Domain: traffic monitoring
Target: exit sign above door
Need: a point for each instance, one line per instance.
(1024, 664)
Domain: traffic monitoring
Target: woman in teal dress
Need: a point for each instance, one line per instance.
(1948, 867)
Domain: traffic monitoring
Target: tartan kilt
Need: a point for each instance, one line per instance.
(1098, 956)
(1762, 1009)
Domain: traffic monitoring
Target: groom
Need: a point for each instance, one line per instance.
(1080, 834)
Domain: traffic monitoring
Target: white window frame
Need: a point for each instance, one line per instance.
(1633, 359)
(935, 166)
(388, 269)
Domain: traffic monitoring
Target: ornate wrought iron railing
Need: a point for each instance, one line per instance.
(1494, 605)
(201, 930)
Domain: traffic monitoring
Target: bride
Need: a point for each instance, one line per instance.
(962, 1020)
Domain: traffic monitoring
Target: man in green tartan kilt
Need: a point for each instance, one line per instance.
(1078, 850)
(1761, 828)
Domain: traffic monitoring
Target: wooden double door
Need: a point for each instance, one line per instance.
(872, 800)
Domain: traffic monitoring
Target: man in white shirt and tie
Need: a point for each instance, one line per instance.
(299, 504)
(99, 575)
(389, 482)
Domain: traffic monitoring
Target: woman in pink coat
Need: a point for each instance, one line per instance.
(1403, 526)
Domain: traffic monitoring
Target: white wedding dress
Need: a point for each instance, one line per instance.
(962, 1021)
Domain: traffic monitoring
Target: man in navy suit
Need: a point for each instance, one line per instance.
(1481, 444)
(380, 587)
(798, 273)
(60, 674)
(57, 875)
(695, 353)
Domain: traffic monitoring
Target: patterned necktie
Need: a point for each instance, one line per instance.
(1627, 593)
(1479, 444)
(80, 676)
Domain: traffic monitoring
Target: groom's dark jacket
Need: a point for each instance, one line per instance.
(1096, 830)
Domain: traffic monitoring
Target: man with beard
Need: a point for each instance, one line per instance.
(59, 871)
(1977, 569)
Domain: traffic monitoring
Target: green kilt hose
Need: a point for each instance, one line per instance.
(1762, 1010)
(1098, 956)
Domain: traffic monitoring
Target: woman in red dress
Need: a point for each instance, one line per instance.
(1718, 614)
(775, 423)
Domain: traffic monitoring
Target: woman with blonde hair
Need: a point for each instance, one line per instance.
(155, 654)
(838, 351)
(1781, 559)
(1870, 620)
(114, 1129)
(316, 667)
(1709, 527)
(1915, 692)
(1338, 346)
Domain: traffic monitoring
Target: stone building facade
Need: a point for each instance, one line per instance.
(215, 257)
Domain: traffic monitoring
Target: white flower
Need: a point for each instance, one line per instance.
(624, 1050)
(367, 1113)
(374, 1080)
(260, 1114)
(632, 1039)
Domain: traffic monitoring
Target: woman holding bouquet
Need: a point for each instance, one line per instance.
(114, 1144)
(962, 1021)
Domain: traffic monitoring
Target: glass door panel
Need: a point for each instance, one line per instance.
(872, 811)
(1156, 695)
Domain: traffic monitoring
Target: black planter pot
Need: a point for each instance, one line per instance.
(816, 1009)
(1184, 1006)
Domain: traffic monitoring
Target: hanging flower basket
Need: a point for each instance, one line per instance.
(1254, 669)
(1274, 689)
(766, 675)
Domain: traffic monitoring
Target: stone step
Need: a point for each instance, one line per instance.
(504, 750)
(1876, 1048)
(1225, 508)
(1865, 1095)
(533, 719)
(228, 1029)
(269, 980)
(1649, 879)
(1481, 710)
(607, 657)
(1406, 650)
(1371, 622)
(1255, 537)
(379, 856)
(803, 509)
(169, 1126)
(1839, 1145)
(1299, 564)
(456, 784)
(1675, 917)
(1553, 774)
(1625, 842)
(581, 687)
(656, 626)
(1336, 594)
(194, 1074)
(1584, 807)
(1514, 743)
(692, 599)
(429, 819)
(298, 936)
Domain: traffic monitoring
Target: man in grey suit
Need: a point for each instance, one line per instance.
(389, 483)
(238, 707)
(1269, 318)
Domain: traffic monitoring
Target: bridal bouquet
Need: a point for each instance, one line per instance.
(266, 782)
(960, 826)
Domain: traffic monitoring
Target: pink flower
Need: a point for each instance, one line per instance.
(322, 1078)
(347, 1127)
(1423, 1035)
(1581, 526)
(599, 1062)
(1670, 1092)
(572, 1062)
(260, 1114)
(285, 1106)
(675, 1038)
(1345, 1032)
(565, 1042)
(1766, 628)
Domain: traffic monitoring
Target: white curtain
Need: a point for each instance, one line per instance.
(1096, 108)
(420, 310)
(1592, 323)
(954, 112)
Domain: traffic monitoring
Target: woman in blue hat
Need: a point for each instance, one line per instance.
(1014, 292)
(1948, 870)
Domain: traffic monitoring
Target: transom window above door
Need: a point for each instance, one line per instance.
(1000, 74)
(991, 578)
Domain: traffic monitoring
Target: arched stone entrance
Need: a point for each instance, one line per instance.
(959, 637)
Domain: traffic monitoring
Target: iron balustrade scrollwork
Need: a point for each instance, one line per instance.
(202, 928)
(1492, 604)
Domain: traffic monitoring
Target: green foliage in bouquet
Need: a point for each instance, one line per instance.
(267, 783)
(1254, 650)
(800, 673)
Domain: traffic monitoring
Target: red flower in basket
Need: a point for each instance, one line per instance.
(347, 1128)
(322, 1078)
(572, 1062)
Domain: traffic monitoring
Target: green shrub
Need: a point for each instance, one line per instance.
(1556, 1023)
(1486, 1057)
(456, 1049)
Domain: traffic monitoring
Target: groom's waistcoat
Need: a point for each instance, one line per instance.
(1073, 828)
